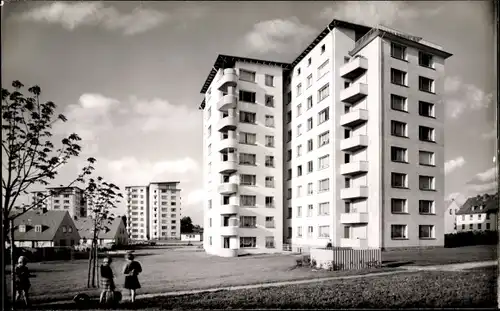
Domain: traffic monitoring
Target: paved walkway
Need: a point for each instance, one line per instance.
(407, 269)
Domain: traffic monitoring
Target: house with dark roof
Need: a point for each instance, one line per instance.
(45, 228)
(115, 232)
(478, 213)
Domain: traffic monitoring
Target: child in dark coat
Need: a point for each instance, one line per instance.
(22, 282)
(107, 282)
(131, 270)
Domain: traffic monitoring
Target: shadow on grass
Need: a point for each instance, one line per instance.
(396, 264)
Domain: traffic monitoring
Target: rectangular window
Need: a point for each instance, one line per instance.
(299, 170)
(38, 228)
(269, 161)
(269, 80)
(324, 115)
(398, 51)
(399, 232)
(324, 139)
(288, 97)
(246, 75)
(248, 138)
(323, 92)
(269, 100)
(398, 77)
(299, 231)
(309, 102)
(398, 103)
(22, 228)
(324, 162)
(247, 180)
(310, 188)
(290, 213)
(299, 211)
(270, 242)
(269, 121)
(324, 185)
(426, 231)
(247, 159)
(247, 117)
(299, 130)
(426, 182)
(323, 69)
(399, 154)
(248, 221)
(426, 84)
(248, 242)
(269, 202)
(289, 193)
(324, 231)
(426, 207)
(399, 129)
(398, 206)
(299, 89)
(269, 141)
(324, 209)
(488, 226)
(299, 109)
(310, 231)
(426, 133)
(399, 180)
(309, 124)
(323, 49)
(269, 222)
(246, 96)
(426, 109)
(310, 210)
(299, 191)
(298, 71)
(289, 117)
(299, 150)
(248, 200)
(309, 145)
(309, 80)
(310, 167)
(426, 158)
(269, 182)
(425, 60)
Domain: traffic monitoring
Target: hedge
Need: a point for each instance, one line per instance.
(469, 238)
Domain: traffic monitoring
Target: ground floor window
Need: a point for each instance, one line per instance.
(248, 242)
(426, 231)
(226, 242)
(399, 232)
(270, 242)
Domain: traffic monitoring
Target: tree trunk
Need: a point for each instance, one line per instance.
(93, 263)
(91, 254)
(12, 265)
(97, 265)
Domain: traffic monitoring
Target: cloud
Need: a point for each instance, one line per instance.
(196, 197)
(460, 97)
(75, 14)
(279, 36)
(457, 196)
(372, 13)
(485, 177)
(451, 165)
(484, 188)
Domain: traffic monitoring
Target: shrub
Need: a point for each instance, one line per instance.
(469, 238)
(313, 263)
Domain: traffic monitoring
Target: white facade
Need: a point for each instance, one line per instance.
(477, 222)
(450, 218)
(137, 212)
(351, 133)
(70, 199)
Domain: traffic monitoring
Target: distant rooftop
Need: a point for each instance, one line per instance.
(479, 205)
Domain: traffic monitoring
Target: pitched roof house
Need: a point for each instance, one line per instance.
(450, 217)
(114, 233)
(478, 213)
(43, 228)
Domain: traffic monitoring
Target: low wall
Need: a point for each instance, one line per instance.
(346, 259)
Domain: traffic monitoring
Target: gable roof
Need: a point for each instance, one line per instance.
(490, 203)
(85, 226)
(50, 221)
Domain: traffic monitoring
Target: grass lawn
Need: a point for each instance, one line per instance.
(440, 256)
(476, 289)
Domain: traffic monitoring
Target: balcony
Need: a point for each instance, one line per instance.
(227, 102)
(354, 168)
(228, 78)
(227, 124)
(228, 231)
(228, 167)
(228, 209)
(354, 93)
(227, 188)
(228, 143)
(354, 118)
(354, 143)
(354, 218)
(354, 193)
(354, 243)
(355, 68)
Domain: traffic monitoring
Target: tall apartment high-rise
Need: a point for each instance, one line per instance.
(154, 211)
(343, 145)
(63, 198)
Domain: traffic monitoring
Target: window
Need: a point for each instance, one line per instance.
(398, 77)
(323, 92)
(310, 188)
(247, 117)
(299, 170)
(488, 226)
(269, 121)
(269, 182)
(479, 226)
(471, 226)
(425, 60)
(247, 180)
(299, 109)
(289, 193)
(324, 162)
(269, 100)
(398, 206)
(299, 150)
(270, 242)
(246, 96)
(310, 210)
(398, 51)
(248, 200)
(247, 159)
(298, 71)
(398, 180)
(269, 161)
(324, 209)
(269, 80)
(323, 69)
(310, 167)
(246, 75)
(289, 154)
(309, 61)
(269, 222)
(426, 109)
(426, 231)
(22, 228)
(288, 97)
(290, 213)
(426, 133)
(248, 242)
(269, 141)
(248, 221)
(299, 191)
(309, 102)
(399, 232)
(309, 145)
(398, 103)
(426, 207)
(299, 130)
(398, 129)
(426, 158)
(309, 80)
(324, 115)
(309, 124)
(38, 228)
(289, 117)
(426, 84)
(310, 231)
(347, 232)
(399, 154)
(299, 89)
(488, 216)
(248, 138)
(299, 211)
(324, 185)
(270, 202)
(324, 231)
(324, 139)
(323, 48)
(426, 182)
(299, 231)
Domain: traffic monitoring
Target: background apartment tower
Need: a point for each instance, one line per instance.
(65, 198)
(154, 211)
(363, 143)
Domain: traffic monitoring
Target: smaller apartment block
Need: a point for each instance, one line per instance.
(478, 214)
(154, 211)
(69, 199)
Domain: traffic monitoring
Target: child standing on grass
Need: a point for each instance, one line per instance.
(22, 282)
(107, 282)
(131, 270)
